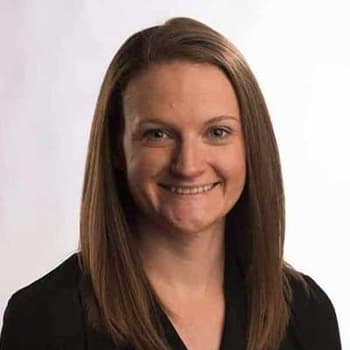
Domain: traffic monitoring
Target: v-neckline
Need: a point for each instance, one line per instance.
(233, 331)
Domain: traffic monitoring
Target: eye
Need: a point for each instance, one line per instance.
(154, 134)
(220, 133)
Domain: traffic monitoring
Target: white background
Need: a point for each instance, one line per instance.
(54, 55)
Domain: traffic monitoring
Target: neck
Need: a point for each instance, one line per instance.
(184, 265)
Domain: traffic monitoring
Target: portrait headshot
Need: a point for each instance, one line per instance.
(181, 234)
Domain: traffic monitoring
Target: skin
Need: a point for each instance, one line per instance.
(181, 237)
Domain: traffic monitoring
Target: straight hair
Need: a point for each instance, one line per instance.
(119, 298)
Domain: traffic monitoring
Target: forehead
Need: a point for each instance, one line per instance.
(180, 87)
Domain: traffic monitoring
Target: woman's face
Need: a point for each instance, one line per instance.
(183, 132)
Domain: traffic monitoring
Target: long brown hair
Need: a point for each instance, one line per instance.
(119, 297)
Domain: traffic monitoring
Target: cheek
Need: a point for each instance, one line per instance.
(143, 171)
(233, 163)
(144, 164)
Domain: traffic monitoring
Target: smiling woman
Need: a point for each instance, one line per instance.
(187, 159)
(182, 216)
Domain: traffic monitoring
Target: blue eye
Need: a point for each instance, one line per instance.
(222, 132)
(154, 132)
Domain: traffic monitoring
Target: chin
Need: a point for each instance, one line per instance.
(194, 227)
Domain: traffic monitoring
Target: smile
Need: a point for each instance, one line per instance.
(190, 190)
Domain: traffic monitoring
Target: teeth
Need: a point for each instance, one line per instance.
(195, 190)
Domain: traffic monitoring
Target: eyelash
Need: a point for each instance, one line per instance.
(147, 132)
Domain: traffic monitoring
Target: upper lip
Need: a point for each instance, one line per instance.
(189, 186)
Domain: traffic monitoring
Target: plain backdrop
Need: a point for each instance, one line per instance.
(54, 55)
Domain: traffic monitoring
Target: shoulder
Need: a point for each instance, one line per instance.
(313, 316)
(48, 307)
(58, 283)
(64, 276)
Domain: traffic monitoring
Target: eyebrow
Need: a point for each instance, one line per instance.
(212, 120)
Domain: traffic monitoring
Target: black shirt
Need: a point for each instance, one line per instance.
(235, 322)
(49, 314)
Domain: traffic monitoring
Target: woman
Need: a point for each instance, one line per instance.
(182, 216)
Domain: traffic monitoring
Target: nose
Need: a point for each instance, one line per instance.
(188, 159)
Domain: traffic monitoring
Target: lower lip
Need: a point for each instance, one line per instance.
(190, 194)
